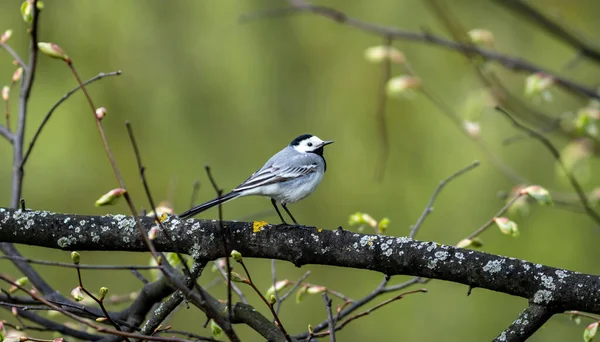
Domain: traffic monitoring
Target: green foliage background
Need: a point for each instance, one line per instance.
(201, 88)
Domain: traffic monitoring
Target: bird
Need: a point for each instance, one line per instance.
(287, 177)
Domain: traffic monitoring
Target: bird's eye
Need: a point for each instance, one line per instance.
(309, 144)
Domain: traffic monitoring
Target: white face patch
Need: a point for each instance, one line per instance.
(309, 144)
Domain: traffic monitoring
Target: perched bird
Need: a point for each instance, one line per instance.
(290, 175)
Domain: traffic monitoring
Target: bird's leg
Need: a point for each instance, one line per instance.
(278, 213)
(287, 211)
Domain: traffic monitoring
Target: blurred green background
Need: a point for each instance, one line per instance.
(201, 88)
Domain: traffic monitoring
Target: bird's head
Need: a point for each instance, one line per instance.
(308, 143)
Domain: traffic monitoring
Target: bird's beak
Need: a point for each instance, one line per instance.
(327, 142)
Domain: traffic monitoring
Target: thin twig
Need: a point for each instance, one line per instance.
(500, 213)
(367, 312)
(195, 190)
(429, 207)
(274, 277)
(34, 294)
(582, 314)
(97, 300)
(509, 62)
(17, 141)
(57, 104)
(26, 86)
(556, 154)
(289, 293)
(81, 266)
(16, 56)
(6, 134)
(225, 240)
(114, 166)
(449, 112)
(355, 305)
(528, 12)
(269, 305)
(380, 113)
(234, 287)
(330, 321)
(225, 324)
(142, 171)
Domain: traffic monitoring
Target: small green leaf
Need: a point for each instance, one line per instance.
(378, 54)
(541, 195)
(215, 329)
(538, 86)
(17, 75)
(26, 11)
(5, 36)
(76, 294)
(587, 121)
(5, 93)
(316, 289)
(383, 225)
(402, 85)
(103, 292)
(507, 226)
(53, 50)
(590, 332)
(482, 37)
(75, 257)
(280, 285)
(300, 293)
(236, 277)
(237, 256)
(110, 197)
(468, 243)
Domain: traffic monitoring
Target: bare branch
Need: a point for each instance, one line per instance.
(529, 12)
(269, 305)
(60, 328)
(80, 266)
(6, 134)
(225, 240)
(33, 294)
(556, 154)
(380, 114)
(289, 293)
(509, 62)
(234, 287)
(330, 321)
(15, 55)
(26, 85)
(56, 105)
(429, 207)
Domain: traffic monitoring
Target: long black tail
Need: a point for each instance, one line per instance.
(209, 204)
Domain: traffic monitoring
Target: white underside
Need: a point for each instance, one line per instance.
(290, 191)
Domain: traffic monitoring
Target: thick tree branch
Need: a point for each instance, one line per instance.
(528, 322)
(509, 62)
(554, 288)
(167, 307)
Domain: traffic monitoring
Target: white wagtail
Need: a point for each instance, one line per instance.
(289, 176)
